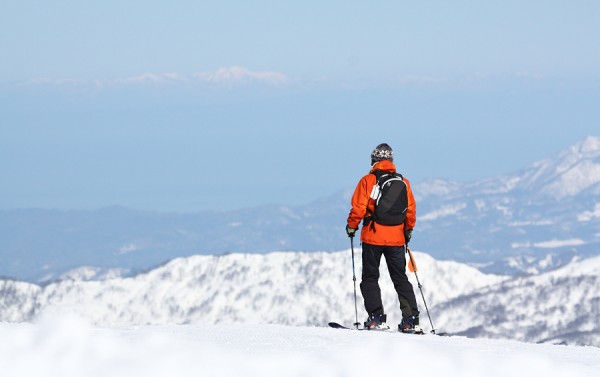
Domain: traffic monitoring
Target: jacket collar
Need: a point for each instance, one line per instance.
(385, 165)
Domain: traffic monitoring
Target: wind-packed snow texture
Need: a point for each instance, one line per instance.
(311, 289)
(69, 347)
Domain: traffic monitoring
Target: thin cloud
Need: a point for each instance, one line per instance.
(236, 75)
(486, 76)
(233, 75)
(530, 75)
(45, 81)
(222, 76)
(423, 80)
(152, 78)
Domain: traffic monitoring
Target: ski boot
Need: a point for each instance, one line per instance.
(410, 325)
(376, 322)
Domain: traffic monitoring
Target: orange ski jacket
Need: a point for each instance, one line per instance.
(363, 205)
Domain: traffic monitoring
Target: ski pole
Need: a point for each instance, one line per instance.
(412, 262)
(356, 324)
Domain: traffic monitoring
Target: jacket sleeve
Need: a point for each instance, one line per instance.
(360, 201)
(411, 212)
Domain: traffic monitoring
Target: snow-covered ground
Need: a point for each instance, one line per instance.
(68, 346)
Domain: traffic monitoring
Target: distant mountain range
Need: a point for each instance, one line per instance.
(560, 306)
(531, 221)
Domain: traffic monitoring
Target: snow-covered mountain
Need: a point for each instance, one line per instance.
(561, 306)
(315, 288)
(574, 171)
(534, 220)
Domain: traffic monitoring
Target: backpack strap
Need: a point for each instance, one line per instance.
(368, 219)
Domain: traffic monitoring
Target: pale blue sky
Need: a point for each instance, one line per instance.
(156, 106)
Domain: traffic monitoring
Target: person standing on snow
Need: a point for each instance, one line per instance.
(387, 240)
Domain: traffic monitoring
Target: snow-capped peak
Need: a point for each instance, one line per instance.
(588, 147)
(571, 172)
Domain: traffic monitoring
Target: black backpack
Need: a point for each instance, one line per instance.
(391, 199)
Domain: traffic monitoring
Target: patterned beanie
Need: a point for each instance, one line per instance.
(382, 152)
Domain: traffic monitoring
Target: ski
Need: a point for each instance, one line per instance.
(412, 332)
(336, 325)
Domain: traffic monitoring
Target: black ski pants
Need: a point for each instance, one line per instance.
(369, 286)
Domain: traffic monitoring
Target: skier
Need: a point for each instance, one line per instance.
(388, 240)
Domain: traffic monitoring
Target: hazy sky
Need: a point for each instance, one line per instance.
(226, 104)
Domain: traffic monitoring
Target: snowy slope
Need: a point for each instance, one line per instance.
(315, 288)
(562, 306)
(69, 347)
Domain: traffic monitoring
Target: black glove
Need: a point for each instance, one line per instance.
(407, 235)
(350, 231)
